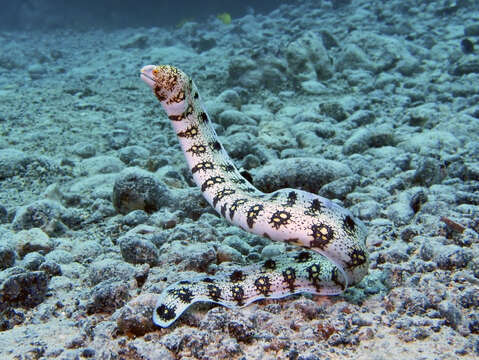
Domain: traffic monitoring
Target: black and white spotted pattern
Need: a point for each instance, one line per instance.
(334, 254)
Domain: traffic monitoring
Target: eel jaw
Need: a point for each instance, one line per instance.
(147, 76)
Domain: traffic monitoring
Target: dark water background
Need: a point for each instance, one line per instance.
(111, 14)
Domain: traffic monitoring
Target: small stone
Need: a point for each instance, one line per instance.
(107, 297)
(51, 268)
(452, 314)
(118, 139)
(234, 117)
(135, 316)
(472, 30)
(428, 171)
(84, 150)
(7, 257)
(135, 217)
(44, 214)
(362, 117)
(3, 214)
(134, 155)
(32, 261)
(137, 41)
(103, 164)
(334, 110)
(203, 43)
(226, 253)
(470, 298)
(136, 189)
(363, 139)
(452, 257)
(272, 250)
(136, 250)
(466, 66)
(12, 162)
(25, 289)
(241, 329)
(88, 353)
(239, 244)
(400, 213)
(110, 270)
(306, 173)
(36, 71)
(33, 240)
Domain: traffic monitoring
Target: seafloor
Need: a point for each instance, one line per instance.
(374, 104)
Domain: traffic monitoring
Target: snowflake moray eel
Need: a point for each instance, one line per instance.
(334, 253)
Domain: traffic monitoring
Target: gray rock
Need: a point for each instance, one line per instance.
(109, 269)
(334, 110)
(196, 256)
(135, 318)
(60, 256)
(362, 117)
(397, 253)
(51, 268)
(272, 250)
(11, 318)
(314, 87)
(340, 188)
(118, 138)
(400, 213)
(239, 66)
(364, 139)
(238, 243)
(309, 174)
(44, 214)
(230, 97)
(3, 214)
(32, 261)
(234, 117)
(136, 189)
(469, 299)
(465, 66)
(12, 162)
(137, 41)
(84, 149)
(135, 217)
(103, 164)
(369, 209)
(273, 78)
(226, 253)
(26, 289)
(107, 297)
(423, 114)
(452, 257)
(431, 143)
(96, 186)
(134, 155)
(308, 59)
(239, 145)
(353, 57)
(137, 250)
(33, 240)
(472, 30)
(258, 113)
(86, 251)
(451, 313)
(7, 257)
(36, 71)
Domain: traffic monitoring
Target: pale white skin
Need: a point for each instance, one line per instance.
(334, 254)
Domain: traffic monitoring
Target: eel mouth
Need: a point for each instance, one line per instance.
(147, 76)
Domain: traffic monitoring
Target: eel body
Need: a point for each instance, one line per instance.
(332, 253)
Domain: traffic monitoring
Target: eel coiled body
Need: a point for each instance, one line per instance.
(334, 253)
